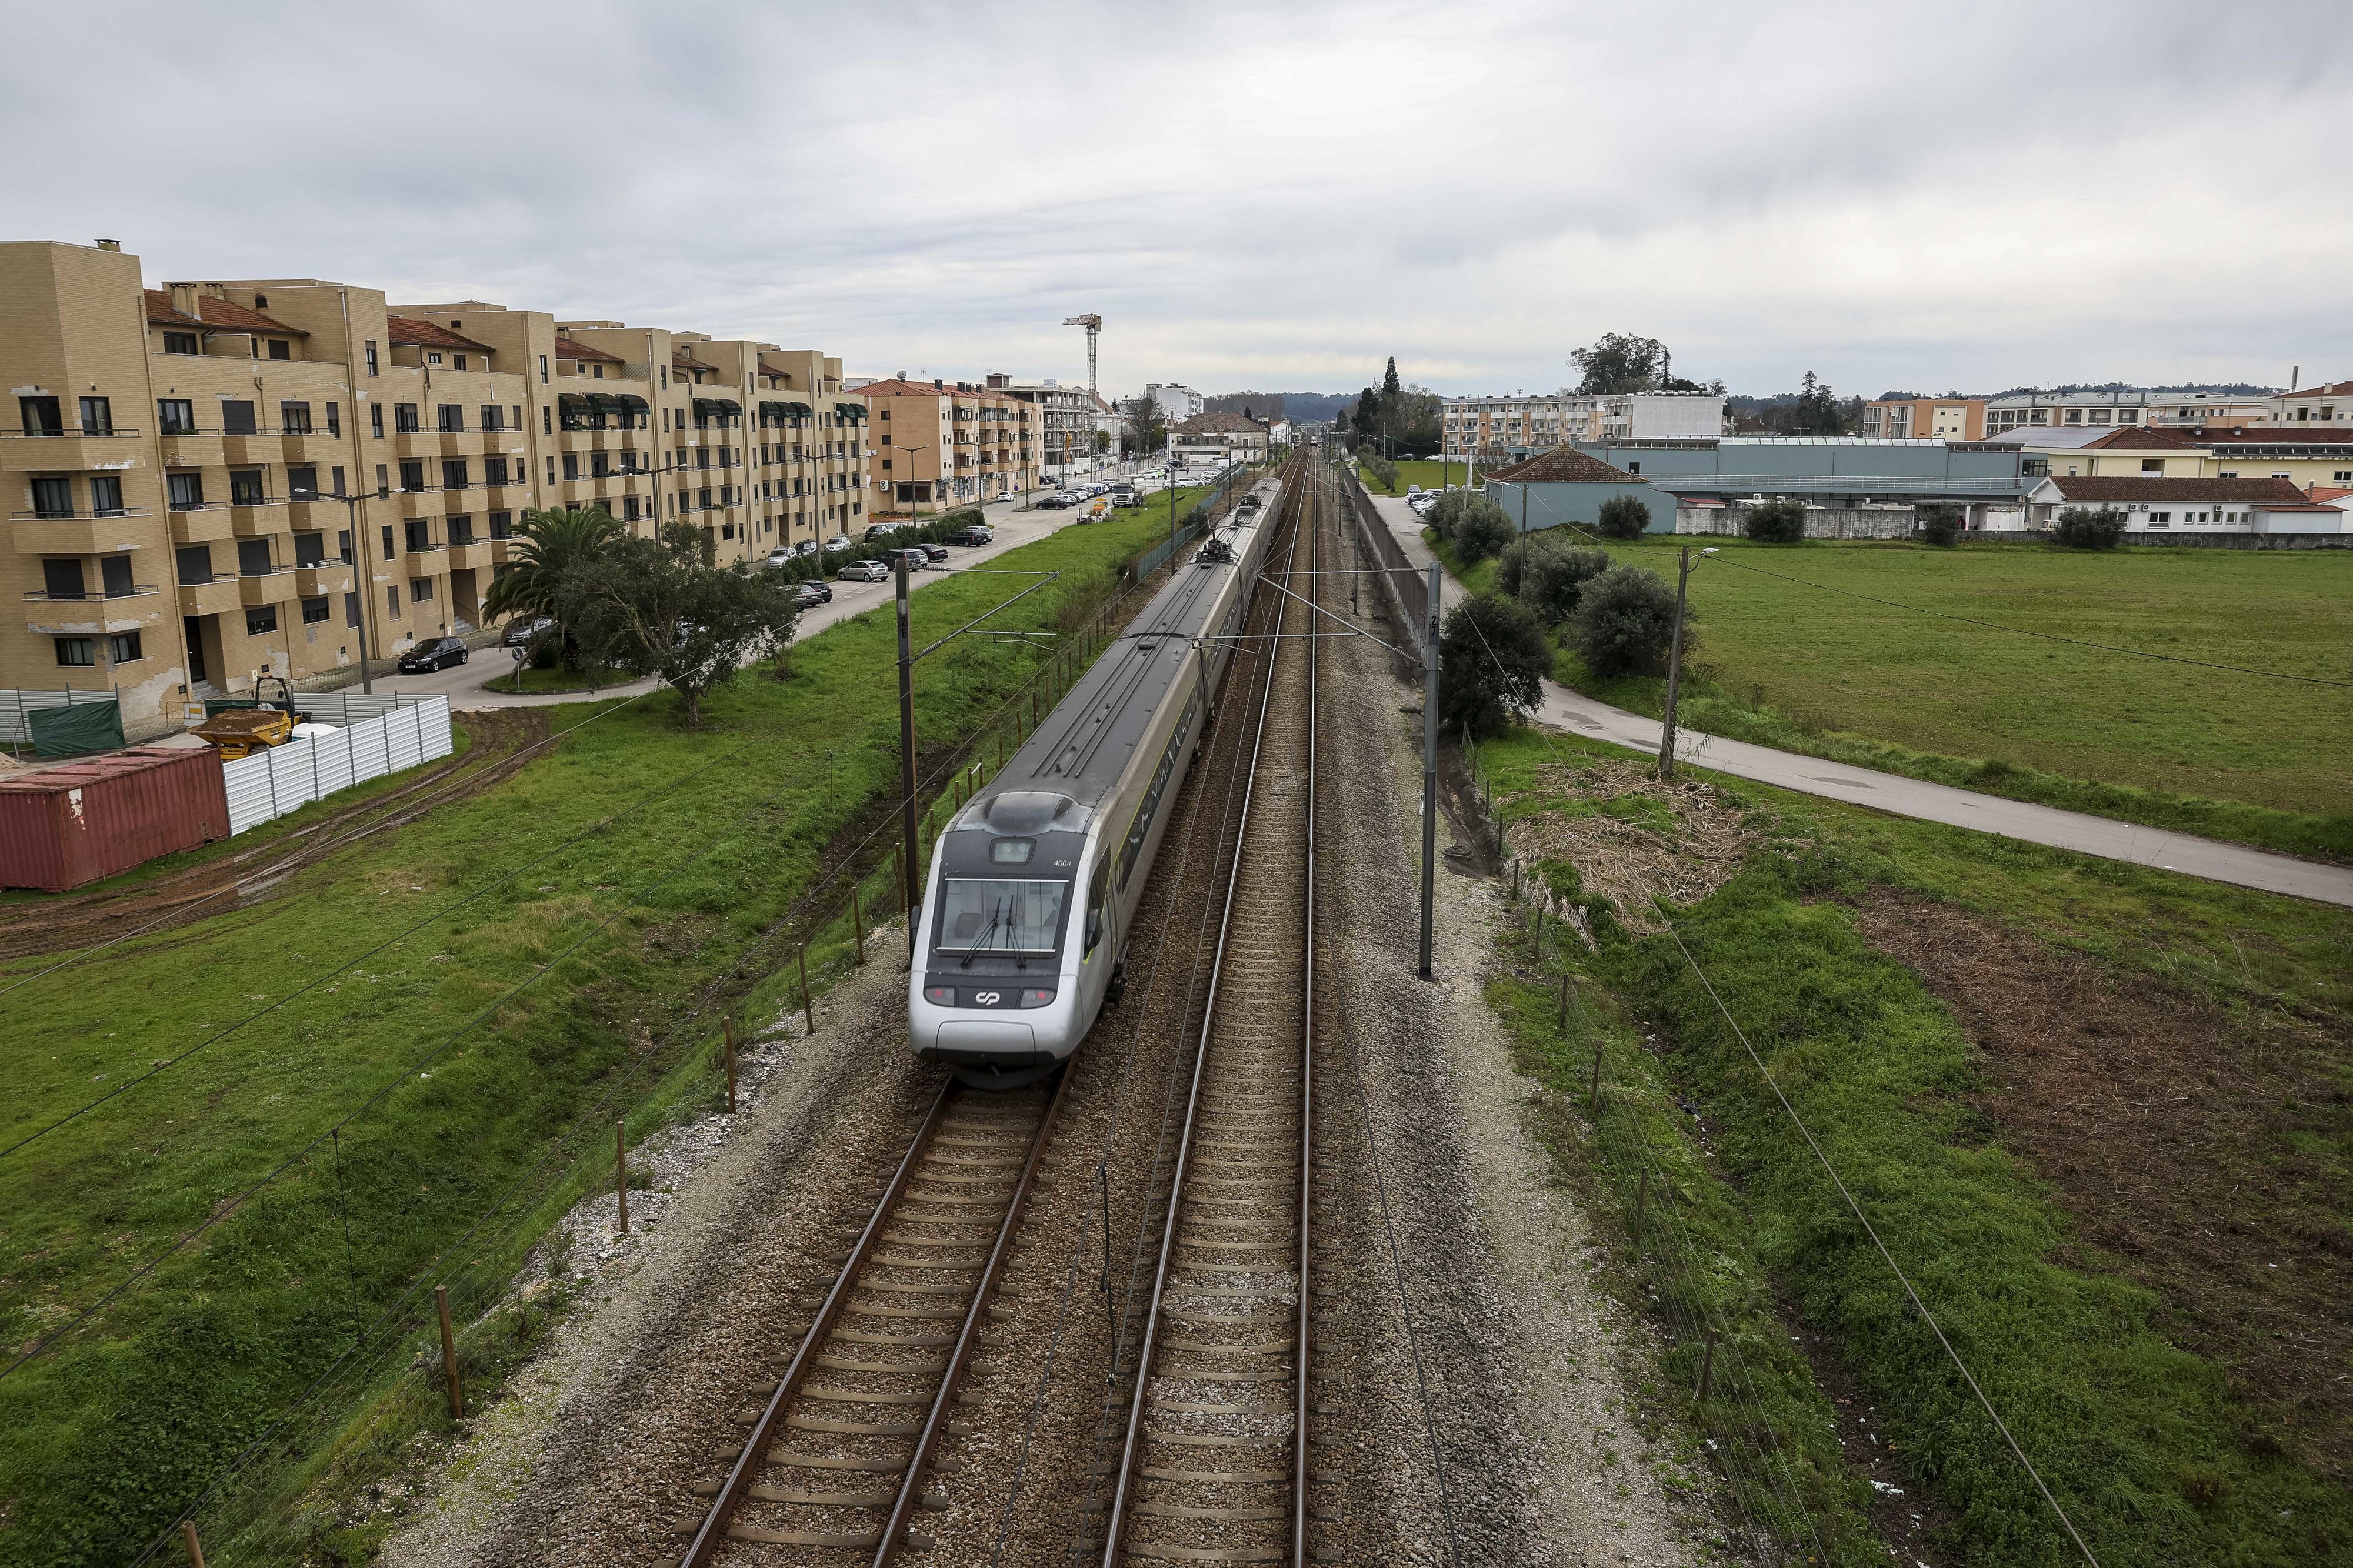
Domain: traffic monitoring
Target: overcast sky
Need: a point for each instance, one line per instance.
(1272, 197)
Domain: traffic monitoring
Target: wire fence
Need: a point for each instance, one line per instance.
(272, 1502)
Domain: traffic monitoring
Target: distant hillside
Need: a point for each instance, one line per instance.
(2231, 389)
(1305, 406)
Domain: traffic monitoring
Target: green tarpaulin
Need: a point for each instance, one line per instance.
(72, 731)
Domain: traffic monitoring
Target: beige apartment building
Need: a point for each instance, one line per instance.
(211, 480)
(944, 444)
(1933, 418)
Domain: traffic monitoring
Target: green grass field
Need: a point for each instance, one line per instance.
(2162, 1454)
(609, 879)
(1429, 473)
(1807, 670)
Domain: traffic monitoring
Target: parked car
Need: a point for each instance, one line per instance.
(917, 559)
(974, 535)
(809, 594)
(879, 530)
(1060, 501)
(937, 552)
(805, 547)
(434, 653)
(864, 572)
(781, 555)
(524, 628)
(838, 541)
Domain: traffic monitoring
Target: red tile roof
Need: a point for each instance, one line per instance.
(216, 313)
(573, 348)
(418, 332)
(895, 387)
(2333, 389)
(1218, 425)
(2136, 438)
(1564, 466)
(2267, 493)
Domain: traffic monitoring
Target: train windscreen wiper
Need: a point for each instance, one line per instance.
(982, 940)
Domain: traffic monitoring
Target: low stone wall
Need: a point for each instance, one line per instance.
(1822, 521)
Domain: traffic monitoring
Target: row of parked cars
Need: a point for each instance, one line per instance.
(1420, 500)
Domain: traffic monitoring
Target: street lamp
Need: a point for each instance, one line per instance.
(1675, 663)
(911, 452)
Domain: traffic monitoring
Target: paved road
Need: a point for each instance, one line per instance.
(2084, 834)
(465, 684)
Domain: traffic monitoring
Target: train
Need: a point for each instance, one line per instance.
(1034, 884)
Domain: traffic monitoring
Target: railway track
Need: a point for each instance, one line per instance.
(1213, 1462)
(840, 1458)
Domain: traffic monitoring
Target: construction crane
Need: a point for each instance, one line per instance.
(1093, 324)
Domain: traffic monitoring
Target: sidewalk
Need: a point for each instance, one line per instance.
(2077, 831)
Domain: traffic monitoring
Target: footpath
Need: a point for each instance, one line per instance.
(2072, 830)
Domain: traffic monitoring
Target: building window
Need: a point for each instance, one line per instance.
(453, 418)
(412, 474)
(186, 491)
(302, 481)
(404, 418)
(334, 418)
(176, 415)
(97, 416)
(294, 418)
(494, 417)
(420, 535)
(392, 598)
(105, 495)
(315, 610)
(494, 471)
(260, 619)
(542, 370)
(371, 360)
(280, 348)
(547, 421)
(420, 590)
(53, 498)
(571, 466)
(375, 420)
(453, 473)
(501, 524)
(460, 529)
(180, 344)
(123, 647)
(194, 564)
(237, 417)
(458, 361)
(433, 357)
(77, 653)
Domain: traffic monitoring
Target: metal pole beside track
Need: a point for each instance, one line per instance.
(1430, 771)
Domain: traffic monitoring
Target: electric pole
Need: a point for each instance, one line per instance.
(1675, 662)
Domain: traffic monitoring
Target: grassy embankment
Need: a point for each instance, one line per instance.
(2135, 1386)
(1429, 473)
(2191, 749)
(706, 838)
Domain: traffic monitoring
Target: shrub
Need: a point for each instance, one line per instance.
(1625, 620)
(1555, 575)
(1781, 520)
(1443, 515)
(1493, 658)
(1483, 529)
(1508, 565)
(2091, 527)
(1625, 517)
(1940, 525)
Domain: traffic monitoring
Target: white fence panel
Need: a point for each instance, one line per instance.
(269, 783)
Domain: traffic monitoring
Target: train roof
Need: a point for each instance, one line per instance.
(1082, 748)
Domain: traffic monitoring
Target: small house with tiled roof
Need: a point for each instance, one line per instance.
(1218, 439)
(2159, 506)
(1567, 487)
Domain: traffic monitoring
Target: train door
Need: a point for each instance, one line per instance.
(1103, 931)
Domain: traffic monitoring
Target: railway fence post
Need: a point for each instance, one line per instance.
(729, 1026)
(808, 1003)
(1706, 1368)
(449, 1354)
(195, 1548)
(1593, 1093)
(857, 922)
(621, 1171)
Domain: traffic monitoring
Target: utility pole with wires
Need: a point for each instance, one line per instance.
(1675, 662)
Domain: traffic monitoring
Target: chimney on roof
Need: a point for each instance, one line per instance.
(110, 245)
(999, 381)
(184, 299)
(938, 385)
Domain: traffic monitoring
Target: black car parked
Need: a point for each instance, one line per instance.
(936, 552)
(810, 594)
(436, 653)
(975, 535)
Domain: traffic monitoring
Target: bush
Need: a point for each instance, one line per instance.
(1781, 520)
(1449, 510)
(1625, 621)
(2091, 527)
(1625, 517)
(1556, 575)
(1493, 658)
(1940, 525)
(1483, 529)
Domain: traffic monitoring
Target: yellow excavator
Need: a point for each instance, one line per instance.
(239, 726)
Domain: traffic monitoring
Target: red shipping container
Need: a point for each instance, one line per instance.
(64, 827)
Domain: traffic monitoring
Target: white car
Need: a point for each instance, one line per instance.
(864, 572)
(838, 541)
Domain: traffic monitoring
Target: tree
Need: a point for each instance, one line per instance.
(666, 609)
(548, 544)
(1366, 421)
(1554, 573)
(1620, 362)
(1939, 525)
(2090, 528)
(1483, 530)
(1814, 411)
(1493, 658)
(1781, 520)
(1146, 432)
(1625, 517)
(1448, 511)
(1625, 622)
(1102, 440)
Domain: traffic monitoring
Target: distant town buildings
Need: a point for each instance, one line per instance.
(940, 443)
(1220, 438)
(1493, 429)
(1177, 403)
(1941, 418)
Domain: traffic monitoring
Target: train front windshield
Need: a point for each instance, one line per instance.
(990, 916)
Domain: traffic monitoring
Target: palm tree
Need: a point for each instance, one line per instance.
(548, 543)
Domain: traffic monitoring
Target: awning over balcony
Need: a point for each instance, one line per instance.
(573, 402)
(850, 413)
(631, 402)
(604, 403)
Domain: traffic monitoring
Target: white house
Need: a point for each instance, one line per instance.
(2179, 506)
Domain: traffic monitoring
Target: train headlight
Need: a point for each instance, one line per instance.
(1037, 998)
(940, 995)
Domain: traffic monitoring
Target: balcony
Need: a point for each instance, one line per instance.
(254, 589)
(71, 447)
(468, 557)
(88, 614)
(253, 519)
(81, 532)
(326, 577)
(208, 598)
(200, 526)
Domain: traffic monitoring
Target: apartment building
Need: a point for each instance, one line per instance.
(1937, 419)
(1489, 429)
(940, 443)
(1176, 401)
(1218, 439)
(216, 479)
(1067, 420)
